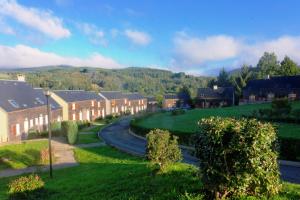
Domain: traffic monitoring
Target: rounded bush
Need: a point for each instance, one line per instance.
(25, 187)
(70, 129)
(238, 157)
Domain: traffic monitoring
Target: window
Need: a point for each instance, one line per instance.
(129, 103)
(93, 103)
(31, 123)
(41, 120)
(18, 132)
(74, 117)
(59, 118)
(46, 119)
(139, 102)
(39, 100)
(142, 101)
(80, 115)
(14, 103)
(26, 126)
(93, 112)
(98, 112)
(73, 106)
(98, 103)
(103, 113)
(113, 110)
(125, 101)
(36, 121)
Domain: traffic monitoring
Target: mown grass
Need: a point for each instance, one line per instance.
(188, 122)
(23, 155)
(105, 173)
(90, 138)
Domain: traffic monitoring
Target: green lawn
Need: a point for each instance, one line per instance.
(90, 138)
(105, 173)
(21, 155)
(187, 123)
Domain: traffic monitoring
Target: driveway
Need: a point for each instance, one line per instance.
(118, 136)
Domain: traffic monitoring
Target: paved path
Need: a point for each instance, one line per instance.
(64, 157)
(117, 135)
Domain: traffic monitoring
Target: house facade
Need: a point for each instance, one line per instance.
(152, 104)
(115, 102)
(170, 101)
(24, 109)
(80, 105)
(215, 97)
(261, 90)
(135, 102)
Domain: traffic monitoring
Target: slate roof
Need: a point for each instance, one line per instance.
(17, 95)
(171, 96)
(112, 95)
(280, 84)
(220, 93)
(134, 96)
(77, 95)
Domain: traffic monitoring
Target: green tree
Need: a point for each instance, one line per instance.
(162, 149)
(288, 67)
(267, 65)
(240, 80)
(184, 95)
(223, 78)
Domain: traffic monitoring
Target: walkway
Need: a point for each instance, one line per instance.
(118, 136)
(64, 157)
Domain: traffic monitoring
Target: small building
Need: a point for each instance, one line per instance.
(23, 109)
(170, 101)
(80, 105)
(215, 97)
(261, 90)
(135, 102)
(152, 104)
(115, 102)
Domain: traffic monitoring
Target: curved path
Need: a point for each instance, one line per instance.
(118, 136)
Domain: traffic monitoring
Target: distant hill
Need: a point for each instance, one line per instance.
(144, 80)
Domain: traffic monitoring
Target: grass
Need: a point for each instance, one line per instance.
(105, 173)
(188, 122)
(21, 155)
(90, 138)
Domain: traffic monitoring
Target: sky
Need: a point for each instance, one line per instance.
(191, 36)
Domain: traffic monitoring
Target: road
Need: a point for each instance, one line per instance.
(118, 136)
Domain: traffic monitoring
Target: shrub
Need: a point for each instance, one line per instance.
(296, 115)
(238, 157)
(70, 128)
(281, 107)
(290, 149)
(56, 128)
(178, 111)
(26, 187)
(83, 124)
(162, 149)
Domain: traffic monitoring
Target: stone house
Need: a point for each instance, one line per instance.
(170, 101)
(22, 109)
(115, 102)
(80, 105)
(135, 102)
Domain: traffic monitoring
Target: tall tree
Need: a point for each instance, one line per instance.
(240, 81)
(267, 65)
(223, 79)
(184, 94)
(288, 67)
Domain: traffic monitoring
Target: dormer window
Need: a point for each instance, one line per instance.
(14, 103)
(39, 100)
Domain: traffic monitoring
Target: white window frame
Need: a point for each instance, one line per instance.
(18, 132)
(73, 106)
(73, 116)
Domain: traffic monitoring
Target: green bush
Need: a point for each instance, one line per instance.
(70, 129)
(178, 112)
(296, 115)
(56, 128)
(26, 187)
(289, 149)
(238, 157)
(162, 149)
(281, 107)
(83, 124)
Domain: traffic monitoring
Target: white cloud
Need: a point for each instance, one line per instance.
(138, 37)
(193, 52)
(96, 35)
(40, 20)
(25, 56)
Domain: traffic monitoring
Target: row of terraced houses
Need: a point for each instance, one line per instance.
(24, 108)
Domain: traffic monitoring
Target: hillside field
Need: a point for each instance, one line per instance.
(188, 122)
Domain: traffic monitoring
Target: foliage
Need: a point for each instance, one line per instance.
(223, 79)
(238, 157)
(56, 128)
(240, 80)
(267, 65)
(83, 124)
(178, 111)
(281, 107)
(162, 149)
(184, 95)
(44, 155)
(290, 149)
(25, 187)
(70, 129)
(288, 67)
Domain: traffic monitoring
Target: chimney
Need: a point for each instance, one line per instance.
(21, 77)
(215, 87)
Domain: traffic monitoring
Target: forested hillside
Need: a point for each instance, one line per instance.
(144, 80)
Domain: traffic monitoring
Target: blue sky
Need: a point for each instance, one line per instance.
(197, 37)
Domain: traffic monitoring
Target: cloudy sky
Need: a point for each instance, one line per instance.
(197, 37)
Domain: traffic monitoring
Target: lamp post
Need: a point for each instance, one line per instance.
(48, 94)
